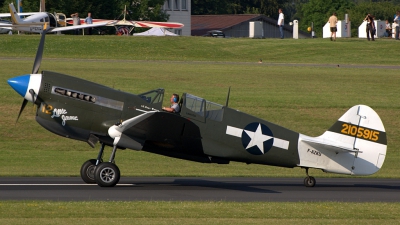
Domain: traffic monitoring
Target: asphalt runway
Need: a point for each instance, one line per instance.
(203, 189)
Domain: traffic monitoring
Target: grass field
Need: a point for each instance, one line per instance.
(306, 99)
(33, 212)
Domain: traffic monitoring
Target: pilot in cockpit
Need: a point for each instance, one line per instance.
(174, 108)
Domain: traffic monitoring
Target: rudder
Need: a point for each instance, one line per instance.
(14, 15)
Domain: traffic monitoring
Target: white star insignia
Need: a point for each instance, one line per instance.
(257, 138)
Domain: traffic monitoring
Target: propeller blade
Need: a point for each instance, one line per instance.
(39, 53)
(22, 109)
(32, 92)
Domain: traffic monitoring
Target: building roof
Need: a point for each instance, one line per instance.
(203, 23)
(200, 24)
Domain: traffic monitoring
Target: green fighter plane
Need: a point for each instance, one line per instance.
(202, 131)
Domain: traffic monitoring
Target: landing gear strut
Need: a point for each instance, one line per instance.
(309, 181)
(105, 174)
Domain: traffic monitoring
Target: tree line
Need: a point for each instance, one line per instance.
(305, 11)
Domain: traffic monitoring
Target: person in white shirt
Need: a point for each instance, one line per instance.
(397, 24)
(281, 22)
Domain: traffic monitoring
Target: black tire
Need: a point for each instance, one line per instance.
(87, 171)
(309, 181)
(107, 174)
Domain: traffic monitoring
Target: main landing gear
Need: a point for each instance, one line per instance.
(309, 181)
(105, 174)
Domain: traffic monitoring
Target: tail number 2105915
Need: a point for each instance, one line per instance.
(360, 132)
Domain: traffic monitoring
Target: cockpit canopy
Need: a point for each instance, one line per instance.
(154, 96)
(203, 108)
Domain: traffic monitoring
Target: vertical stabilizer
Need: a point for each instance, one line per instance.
(15, 19)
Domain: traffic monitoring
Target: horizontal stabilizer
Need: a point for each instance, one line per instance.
(329, 146)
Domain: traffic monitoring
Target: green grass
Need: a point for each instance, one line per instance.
(307, 99)
(34, 212)
(347, 50)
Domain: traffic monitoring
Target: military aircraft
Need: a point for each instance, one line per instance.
(203, 131)
(36, 21)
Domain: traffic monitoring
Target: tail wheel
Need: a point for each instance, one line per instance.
(309, 181)
(107, 174)
(87, 171)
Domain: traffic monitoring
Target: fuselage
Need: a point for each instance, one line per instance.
(34, 23)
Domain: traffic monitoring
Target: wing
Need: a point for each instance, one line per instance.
(56, 29)
(156, 24)
(79, 26)
(20, 14)
(95, 21)
(5, 24)
(131, 23)
(162, 133)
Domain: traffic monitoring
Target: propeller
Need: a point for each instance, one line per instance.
(22, 109)
(39, 53)
(35, 69)
(32, 92)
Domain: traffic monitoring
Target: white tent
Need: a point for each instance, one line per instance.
(156, 31)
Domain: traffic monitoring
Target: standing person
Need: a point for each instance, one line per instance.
(388, 32)
(76, 21)
(397, 24)
(89, 20)
(370, 26)
(281, 22)
(333, 21)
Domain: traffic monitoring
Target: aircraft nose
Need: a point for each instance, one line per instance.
(20, 84)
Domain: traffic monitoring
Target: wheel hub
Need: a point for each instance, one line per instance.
(90, 172)
(107, 175)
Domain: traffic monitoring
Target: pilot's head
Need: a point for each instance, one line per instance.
(174, 98)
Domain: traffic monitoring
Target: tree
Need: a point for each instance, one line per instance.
(319, 11)
(147, 10)
(291, 8)
(210, 7)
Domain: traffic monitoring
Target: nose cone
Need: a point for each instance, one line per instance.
(20, 84)
(24, 83)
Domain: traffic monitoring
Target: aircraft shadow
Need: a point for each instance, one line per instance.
(204, 184)
(269, 186)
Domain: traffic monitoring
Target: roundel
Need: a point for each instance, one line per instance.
(257, 138)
